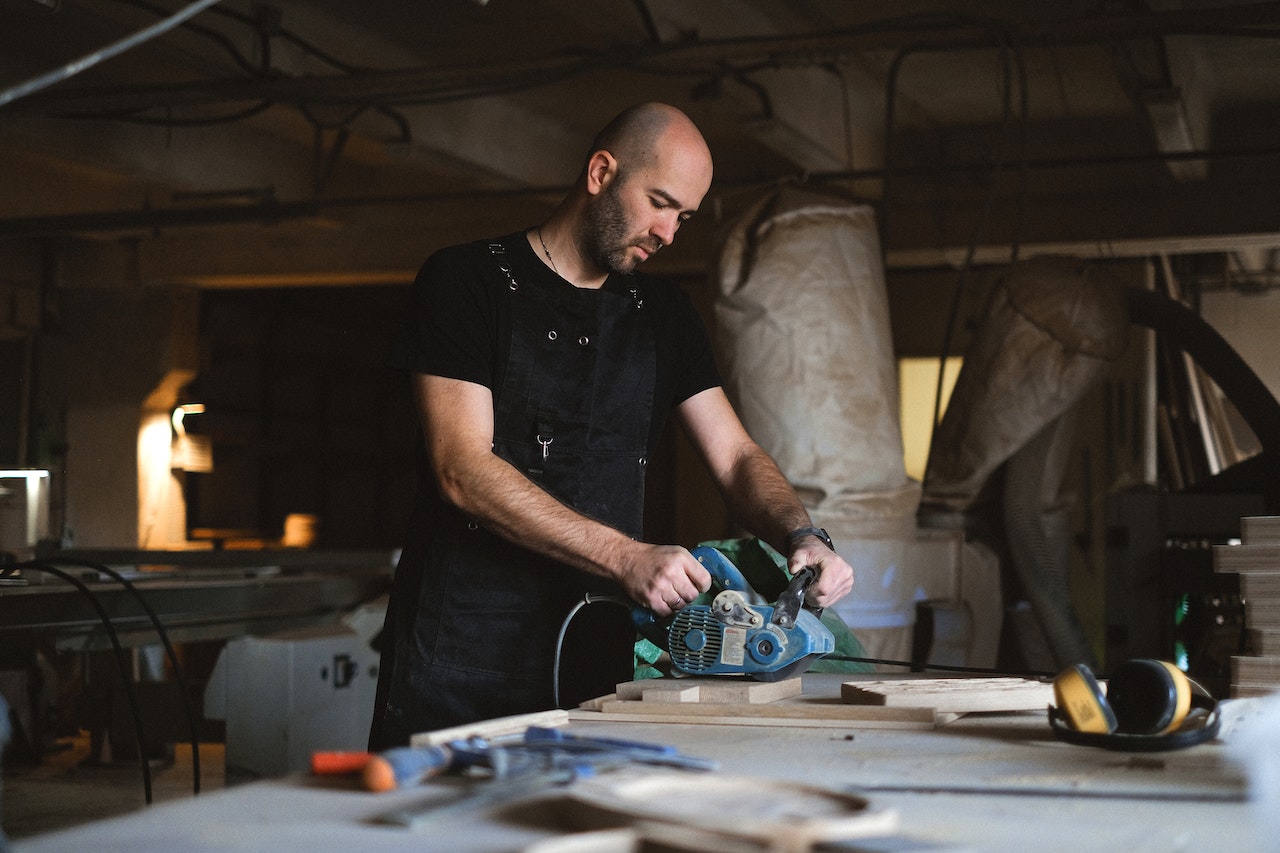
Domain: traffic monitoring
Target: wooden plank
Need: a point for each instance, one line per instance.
(672, 693)
(952, 695)
(1263, 614)
(1263, 586)
(1246, 558)
(1255, 671)
(1245, 691)
(654, 714)
(727, 690)
(1263, 641)
(1260, 529)
(778, 713)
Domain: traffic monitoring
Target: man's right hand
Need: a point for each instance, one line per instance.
(663, 578)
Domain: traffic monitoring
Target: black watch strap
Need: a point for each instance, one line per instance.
(800, 532)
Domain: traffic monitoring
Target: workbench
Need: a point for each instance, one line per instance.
(976, 782)
(197, 595)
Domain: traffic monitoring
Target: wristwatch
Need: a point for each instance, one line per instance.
(801, 532)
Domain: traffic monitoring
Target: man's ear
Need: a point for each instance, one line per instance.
(602, 168)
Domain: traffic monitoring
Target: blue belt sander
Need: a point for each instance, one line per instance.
(735, 635)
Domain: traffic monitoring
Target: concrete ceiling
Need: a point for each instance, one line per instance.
(331, 142)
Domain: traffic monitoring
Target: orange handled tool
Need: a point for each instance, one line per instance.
(385, 771)
(405, 766)
(339, 763)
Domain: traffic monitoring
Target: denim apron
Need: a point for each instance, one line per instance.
(573, 414)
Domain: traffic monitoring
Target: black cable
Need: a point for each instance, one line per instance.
(125, 675)
(132, 118)
(646, 18)
(170, 652)
(1005, 44)
(208, 32)
(587, 599)
(595, 599)
(261, 71)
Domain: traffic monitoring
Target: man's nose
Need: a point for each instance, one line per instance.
(665, 230)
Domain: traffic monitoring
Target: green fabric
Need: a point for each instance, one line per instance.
(647, 655)
(766, 571)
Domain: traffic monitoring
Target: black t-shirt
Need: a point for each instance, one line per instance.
(459, 322)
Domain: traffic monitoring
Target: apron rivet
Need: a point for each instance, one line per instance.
(551, 335)
(584, 340)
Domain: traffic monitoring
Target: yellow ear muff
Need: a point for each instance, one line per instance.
(1080, 699)
(1146, 708)
(1149, 697)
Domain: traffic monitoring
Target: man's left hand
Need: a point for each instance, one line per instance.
(835, 576)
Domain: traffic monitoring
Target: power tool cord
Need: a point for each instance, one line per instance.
(121, 662)
(170, 652)
(589, 598)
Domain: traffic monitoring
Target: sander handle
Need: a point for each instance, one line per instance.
(791, 600)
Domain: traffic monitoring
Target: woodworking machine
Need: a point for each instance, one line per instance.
(736, 634)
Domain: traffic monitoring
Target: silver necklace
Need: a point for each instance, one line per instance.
(547, 252)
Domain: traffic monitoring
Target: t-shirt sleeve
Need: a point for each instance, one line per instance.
(449, 325)
(696, 364)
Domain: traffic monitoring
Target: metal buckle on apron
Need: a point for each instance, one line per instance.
(499, 251)
(544, 437)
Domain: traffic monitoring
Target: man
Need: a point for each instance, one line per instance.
(544, 370)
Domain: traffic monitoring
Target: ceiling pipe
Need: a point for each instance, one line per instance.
(271, 212)
(428, 85)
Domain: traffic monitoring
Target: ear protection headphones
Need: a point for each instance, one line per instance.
(1147, 707)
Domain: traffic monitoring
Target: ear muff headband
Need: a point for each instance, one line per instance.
(1145, 709)
(1188, 735)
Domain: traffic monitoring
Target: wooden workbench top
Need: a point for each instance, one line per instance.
(983, 781)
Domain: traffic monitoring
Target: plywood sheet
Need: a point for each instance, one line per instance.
(952, 695)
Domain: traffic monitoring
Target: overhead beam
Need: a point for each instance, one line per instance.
(1135, 247)
(433, 85)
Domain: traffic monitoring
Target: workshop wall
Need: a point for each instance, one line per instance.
(305, 415)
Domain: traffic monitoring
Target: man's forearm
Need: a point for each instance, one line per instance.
(509, 504)
(761, 500)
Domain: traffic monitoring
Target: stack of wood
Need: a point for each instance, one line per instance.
(739, 701)
(1257, 561)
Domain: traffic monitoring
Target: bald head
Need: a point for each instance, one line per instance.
(640, 135)
(647, 172)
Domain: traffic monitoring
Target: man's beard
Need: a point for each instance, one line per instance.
(607, 234)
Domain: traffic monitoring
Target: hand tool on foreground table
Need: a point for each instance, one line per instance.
(736, 634)
(507, 768)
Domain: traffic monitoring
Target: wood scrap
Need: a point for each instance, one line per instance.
(952, 695)
(714, 690)
(1261, 673)
(1260, 529)
(1246, 558)
(1256, 562)
(1263, 641)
